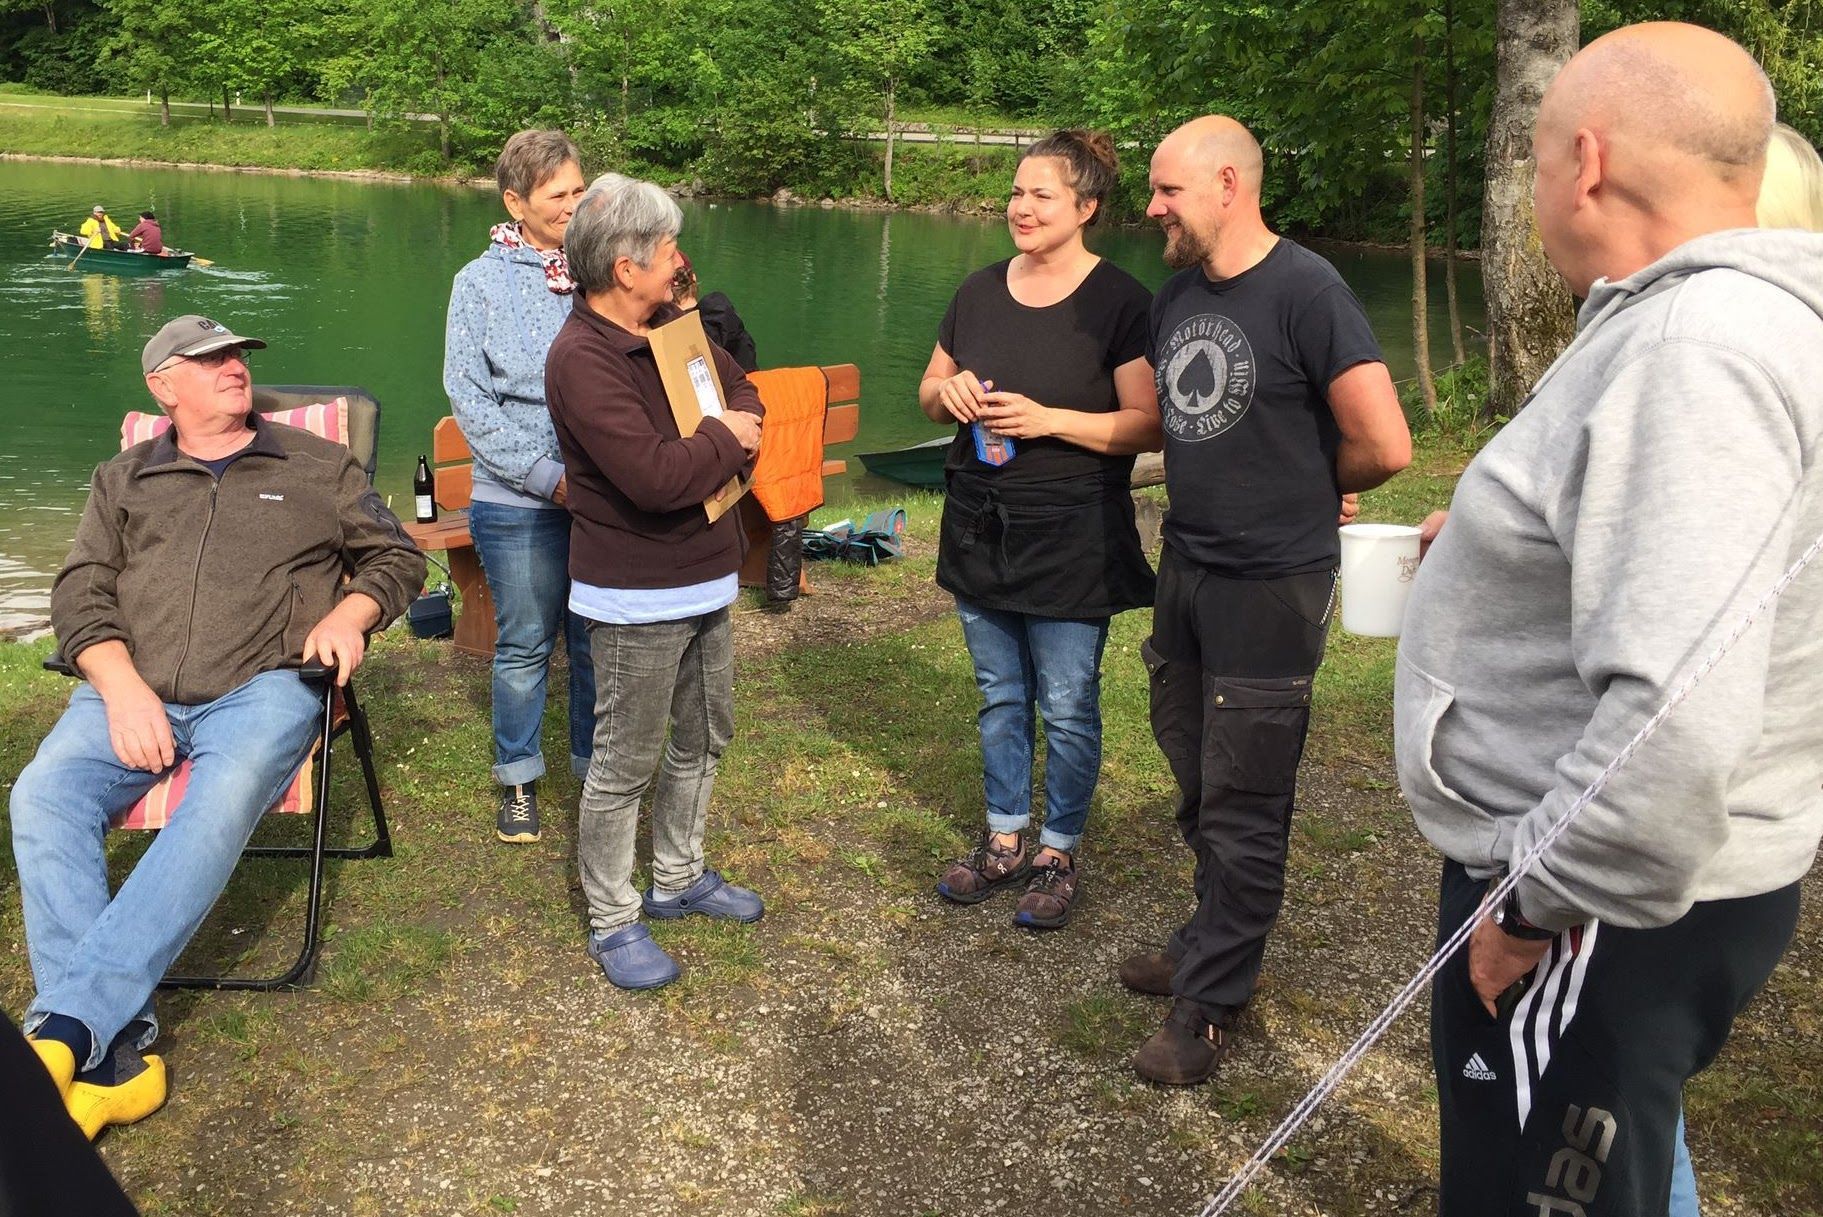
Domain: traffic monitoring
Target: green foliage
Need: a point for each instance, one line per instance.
(1323, 85)
(65, 60)
(1461, 401)
(746, 96)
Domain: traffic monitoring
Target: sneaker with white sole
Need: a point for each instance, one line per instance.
(517, 819)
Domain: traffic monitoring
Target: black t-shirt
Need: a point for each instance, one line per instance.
(1062, 355)
(1243, 369)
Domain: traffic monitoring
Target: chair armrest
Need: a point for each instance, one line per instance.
(55, 662)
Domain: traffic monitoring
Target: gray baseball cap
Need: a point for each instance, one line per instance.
(191, 335)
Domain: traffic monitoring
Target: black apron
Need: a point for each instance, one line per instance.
(1065, 549)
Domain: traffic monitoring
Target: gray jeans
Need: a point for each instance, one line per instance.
(681, 672)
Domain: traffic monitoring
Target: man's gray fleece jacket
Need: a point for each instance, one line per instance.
(1663, 476)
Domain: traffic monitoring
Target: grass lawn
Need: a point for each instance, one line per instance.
(865, 1049)
(114, 128)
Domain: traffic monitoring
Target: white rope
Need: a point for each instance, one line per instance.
(1242, 1178)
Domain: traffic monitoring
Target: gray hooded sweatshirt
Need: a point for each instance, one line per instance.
(1666, 471)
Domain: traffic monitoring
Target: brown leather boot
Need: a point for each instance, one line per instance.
(1148, 972)
(1183, 1052)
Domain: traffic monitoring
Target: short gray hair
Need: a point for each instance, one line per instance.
(619, 217)
(532, 158)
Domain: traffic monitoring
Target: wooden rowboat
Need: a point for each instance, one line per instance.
(131, 261)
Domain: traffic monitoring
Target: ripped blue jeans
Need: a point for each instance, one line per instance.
(1054, 664)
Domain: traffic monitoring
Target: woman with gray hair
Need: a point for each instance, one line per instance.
(650, 572)
(506, 307)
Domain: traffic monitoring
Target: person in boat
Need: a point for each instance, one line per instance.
(1045, 349)
(209, 565)
(651, 571)
(720, 322)
(100, 231)
(146, 236)
(504, 309)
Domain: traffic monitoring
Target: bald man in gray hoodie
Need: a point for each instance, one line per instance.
(1663, 475)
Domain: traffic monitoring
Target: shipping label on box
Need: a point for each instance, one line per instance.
(686, 366)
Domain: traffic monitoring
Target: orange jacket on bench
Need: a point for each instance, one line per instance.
(788, 477)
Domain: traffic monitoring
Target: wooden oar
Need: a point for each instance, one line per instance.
(196, 261)
(78, 257)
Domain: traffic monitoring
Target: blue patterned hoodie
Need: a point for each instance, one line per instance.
(502, 318)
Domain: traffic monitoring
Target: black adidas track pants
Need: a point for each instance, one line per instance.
(1569, 1106)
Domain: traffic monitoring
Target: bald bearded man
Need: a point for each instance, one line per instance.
(1275, 402)
(1663, 476)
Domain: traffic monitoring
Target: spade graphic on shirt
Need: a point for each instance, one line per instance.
(1206, 378)
(1196, 372)
(1197, 381)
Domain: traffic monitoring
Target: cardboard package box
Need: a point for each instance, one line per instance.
(686, 366)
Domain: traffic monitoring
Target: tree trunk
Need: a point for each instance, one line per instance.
(1530, 315)
(1450, 184)
(890, 109)
(1421, 305)
(227, 113)
(164, 108)
(50, 17)
(270, 120)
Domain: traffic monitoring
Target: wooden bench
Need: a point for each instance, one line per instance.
(453, 479)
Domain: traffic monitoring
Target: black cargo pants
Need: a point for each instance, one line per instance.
(1231, 664)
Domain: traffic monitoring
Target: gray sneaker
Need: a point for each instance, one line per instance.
(517, 819)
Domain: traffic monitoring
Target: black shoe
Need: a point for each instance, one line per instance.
(517, 819)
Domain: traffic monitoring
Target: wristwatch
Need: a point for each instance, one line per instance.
(1513, 924)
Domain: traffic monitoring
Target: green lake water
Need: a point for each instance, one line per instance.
(349, 281)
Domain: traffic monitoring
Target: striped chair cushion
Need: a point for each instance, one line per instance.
(330, 420)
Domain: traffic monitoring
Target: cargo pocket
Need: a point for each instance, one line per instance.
(1256, 730)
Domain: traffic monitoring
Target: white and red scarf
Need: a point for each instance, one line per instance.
(556, 266)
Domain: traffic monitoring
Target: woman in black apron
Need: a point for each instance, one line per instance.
(1040, 363)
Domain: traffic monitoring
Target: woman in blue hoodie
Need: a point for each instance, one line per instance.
(506, 307)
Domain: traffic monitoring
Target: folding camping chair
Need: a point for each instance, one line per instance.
(349, 416)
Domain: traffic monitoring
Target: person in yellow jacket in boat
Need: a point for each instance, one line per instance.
(100, 231)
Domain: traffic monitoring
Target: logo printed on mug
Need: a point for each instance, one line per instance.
(1408, 569)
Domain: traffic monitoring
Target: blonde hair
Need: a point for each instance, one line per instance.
(1791, 195)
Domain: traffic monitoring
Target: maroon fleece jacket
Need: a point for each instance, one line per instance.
(636, 489)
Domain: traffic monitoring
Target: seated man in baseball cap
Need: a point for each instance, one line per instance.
(208, 566)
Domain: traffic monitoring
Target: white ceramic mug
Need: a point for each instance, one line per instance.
(1379, 562)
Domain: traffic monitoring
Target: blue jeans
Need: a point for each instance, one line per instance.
(1683, 1177)
(1056, 663)
(526, 555)
(98, 960)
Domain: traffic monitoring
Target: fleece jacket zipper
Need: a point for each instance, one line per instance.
(196, 575)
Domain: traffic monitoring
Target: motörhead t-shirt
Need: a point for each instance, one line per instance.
(1243, 369)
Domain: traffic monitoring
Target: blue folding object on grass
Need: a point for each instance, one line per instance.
(880, 538)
